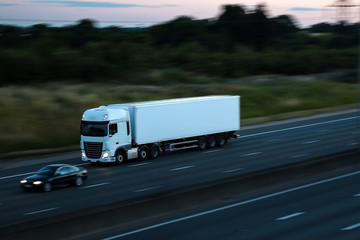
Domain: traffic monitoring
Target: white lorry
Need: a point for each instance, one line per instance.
(120, 132)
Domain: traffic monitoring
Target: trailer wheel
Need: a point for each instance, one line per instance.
(202, 143)
(154, 151)
(220, 140)
(120, 157)
(211, 142)
(143, 153)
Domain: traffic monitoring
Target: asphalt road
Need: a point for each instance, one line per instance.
(259, 147)
(325, 209)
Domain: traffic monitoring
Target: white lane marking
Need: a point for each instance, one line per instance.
(310, 142)
(81, 164)
(297, 127)
(211, 151)
(357, 195)
(324, 131)
(146, 189)
(300, 155)
(272, 140)
(138, 165)
(352, 144)
(181, 168)
(351, 227)
(41, 211)
(290, 216)
(251, 154)
(233, 205)
(233, 170)
(17, 175)
(96, 185)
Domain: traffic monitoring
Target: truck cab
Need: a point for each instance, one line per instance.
(104, 132)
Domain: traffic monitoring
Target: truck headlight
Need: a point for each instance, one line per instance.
(83, 154)
(105, 155)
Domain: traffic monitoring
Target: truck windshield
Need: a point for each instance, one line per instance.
(95, 129)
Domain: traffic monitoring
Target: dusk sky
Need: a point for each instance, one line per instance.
(148, 12)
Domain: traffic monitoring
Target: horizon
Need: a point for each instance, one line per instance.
(141, 13)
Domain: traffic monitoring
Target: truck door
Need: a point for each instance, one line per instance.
(114, 135)
(119, 135)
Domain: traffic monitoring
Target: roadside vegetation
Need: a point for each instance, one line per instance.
(50, 75)
(48, 115)
(239, 42)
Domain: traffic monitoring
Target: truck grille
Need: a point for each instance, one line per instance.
(93, 149)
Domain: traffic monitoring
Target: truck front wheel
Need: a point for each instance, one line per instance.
(120, 157)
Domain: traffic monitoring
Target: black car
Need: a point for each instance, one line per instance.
(55, 175)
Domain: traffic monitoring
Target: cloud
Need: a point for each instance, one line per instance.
(7, 4)
(304, 9)
(103, 4)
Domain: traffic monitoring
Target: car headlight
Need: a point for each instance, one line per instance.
(37, 182)
(23, 181)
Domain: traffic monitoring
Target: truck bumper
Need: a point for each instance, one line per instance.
(104, 158)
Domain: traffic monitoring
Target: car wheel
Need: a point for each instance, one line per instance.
(47, 187)
(79, 181)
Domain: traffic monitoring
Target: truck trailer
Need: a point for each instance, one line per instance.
(142, 130)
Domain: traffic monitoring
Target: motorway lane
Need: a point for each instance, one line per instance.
(257, 148)
(325, 209)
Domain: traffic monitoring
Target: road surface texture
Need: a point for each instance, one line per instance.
(258, 148)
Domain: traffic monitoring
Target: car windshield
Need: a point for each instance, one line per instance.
(94, 129)
(48, 170)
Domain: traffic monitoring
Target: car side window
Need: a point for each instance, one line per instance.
(64, 171)
(72, 170)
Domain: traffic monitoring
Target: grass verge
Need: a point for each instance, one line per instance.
(48, 116)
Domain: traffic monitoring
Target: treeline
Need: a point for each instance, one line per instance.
(239, 42)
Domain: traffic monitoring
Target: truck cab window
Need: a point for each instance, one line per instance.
(113, 129)
(128, 128)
